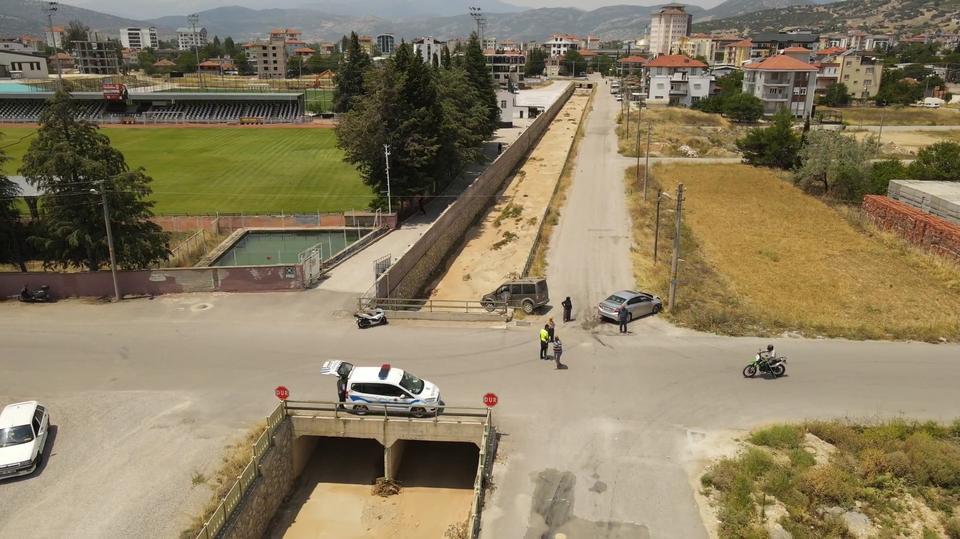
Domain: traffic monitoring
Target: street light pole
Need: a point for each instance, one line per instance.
(51, 9)
(646, 158)
(106, 224)
(194, 18)
(386, 154)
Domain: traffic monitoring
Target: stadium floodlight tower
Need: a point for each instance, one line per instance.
(51, 8)
(194, 18)
(477, 15)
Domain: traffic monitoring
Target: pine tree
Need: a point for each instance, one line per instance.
(480, 77)
(11, 230)
(70, 161)
(349, 78)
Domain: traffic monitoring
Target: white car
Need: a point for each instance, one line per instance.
(368, 389)
(23, 436)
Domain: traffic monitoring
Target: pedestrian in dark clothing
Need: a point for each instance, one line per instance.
(557, 352)
(544, 342)
(567, 309)
(623, 316)
(499, 148)
(420, 203)
(341, 390)
(551, 328)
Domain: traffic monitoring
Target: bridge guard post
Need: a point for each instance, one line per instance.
(391, 459)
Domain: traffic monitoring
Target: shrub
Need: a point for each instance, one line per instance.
(756, 461)
(801, 458)
(937, 162)
(776, 146)
(837, 433)
(933, 462)
(721, 475)
(779, 436)
(952, 528)
(829, 484)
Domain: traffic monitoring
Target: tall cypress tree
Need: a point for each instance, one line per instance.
(482, 80)
(71, 162)
(349, 77)
(11, 230)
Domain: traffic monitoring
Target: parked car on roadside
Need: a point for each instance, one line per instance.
(638, 304)
(526, 294)
(23, 437)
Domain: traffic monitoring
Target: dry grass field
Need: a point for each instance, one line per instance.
(709, 135)
(760, 256)
(854, 116)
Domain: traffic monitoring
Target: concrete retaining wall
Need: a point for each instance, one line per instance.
(252, 516)
(159, 281)
(425, 259)
(919, 228)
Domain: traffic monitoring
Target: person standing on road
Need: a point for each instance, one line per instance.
(551, 328)
(544, 342)
(623, 316)
(557, 352)
(567, 309)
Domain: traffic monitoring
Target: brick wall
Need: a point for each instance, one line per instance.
(252, 516)
(425, 259)
(919, 228)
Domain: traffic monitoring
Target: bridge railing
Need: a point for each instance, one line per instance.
(432, 305)
(388, 411)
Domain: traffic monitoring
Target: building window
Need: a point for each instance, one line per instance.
(503, 103)
(846, 77)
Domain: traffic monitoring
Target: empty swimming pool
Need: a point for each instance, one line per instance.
(271, 247)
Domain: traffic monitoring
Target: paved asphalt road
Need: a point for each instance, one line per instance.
(145, 394)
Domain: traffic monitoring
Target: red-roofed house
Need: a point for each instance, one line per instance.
(631, 65)
(782, 82)
(677, 80)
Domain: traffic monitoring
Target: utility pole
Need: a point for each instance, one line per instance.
(675, 266)
(656, 233)
(477, 15)
(386, 155)
(194, 18)
(880, 133)
(106, 224)
(52, 7)
(636, 177)
(646, 166)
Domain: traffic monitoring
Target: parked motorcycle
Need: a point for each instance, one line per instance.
(370, 317)
(40, 295)
(775, 366)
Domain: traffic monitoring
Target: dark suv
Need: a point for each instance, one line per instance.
(527, 294)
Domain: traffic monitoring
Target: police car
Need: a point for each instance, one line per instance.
(374, 387)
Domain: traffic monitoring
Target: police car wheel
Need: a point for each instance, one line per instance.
(418, 412)
(360, 409)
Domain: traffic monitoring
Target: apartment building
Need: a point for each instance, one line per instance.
(387, 44)
(139, 38)
(737, 53)
(506, 66)
(427, 48)
(559, 44)
(668, 25)
(766, 44)
(54, 37)
(631, 65)
(269, 57)
(861, 73)
(96, 57)
(188, 38)
(695, 45)
(20, 64)
(782, 82)
(677, 80)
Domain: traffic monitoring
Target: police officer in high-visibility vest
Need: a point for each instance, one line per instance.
(544, 341)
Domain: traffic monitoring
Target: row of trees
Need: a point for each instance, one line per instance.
(572, 64)
(72, 164)
(832, 164)
(731, 101)
(434, 116)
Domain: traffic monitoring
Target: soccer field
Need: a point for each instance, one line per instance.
(231, 170)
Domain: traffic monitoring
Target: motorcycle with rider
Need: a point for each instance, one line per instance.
(766, 362)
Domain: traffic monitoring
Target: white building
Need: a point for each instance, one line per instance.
(559, 44)
(506, 66)
(677, 80)
(782, 82)
(668, 25)
(387, 44)
(139, 38)
(22, 65)
(187, 38)
(428, 47)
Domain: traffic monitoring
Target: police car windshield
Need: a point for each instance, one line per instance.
(411, 383)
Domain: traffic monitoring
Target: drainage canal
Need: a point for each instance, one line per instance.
(333, 494)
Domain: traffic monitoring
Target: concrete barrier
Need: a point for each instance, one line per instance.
(426, 259)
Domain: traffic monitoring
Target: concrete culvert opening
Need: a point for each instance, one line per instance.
(333, 494)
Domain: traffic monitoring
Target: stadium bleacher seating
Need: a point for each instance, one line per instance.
(198, 112)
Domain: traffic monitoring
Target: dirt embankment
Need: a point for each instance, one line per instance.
(499, 246)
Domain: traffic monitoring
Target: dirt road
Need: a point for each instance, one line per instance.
(589, 255)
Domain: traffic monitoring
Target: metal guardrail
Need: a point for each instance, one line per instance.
(246, 478)
(432, 305)
(388, 411)
(473, 521)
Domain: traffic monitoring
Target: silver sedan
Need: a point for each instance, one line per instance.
(638, 304)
